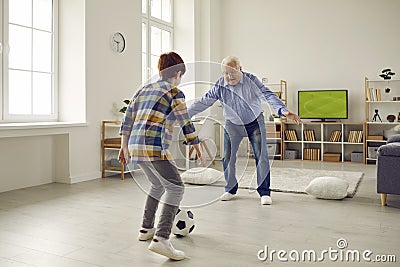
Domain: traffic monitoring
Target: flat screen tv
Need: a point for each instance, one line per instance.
(323, 104)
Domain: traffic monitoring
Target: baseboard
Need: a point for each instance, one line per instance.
(84, 177)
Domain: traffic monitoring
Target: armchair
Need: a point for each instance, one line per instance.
(388, 169)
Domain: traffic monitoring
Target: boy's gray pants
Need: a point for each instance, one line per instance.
(164, 178)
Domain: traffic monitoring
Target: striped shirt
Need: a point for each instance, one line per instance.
(149, 121)
(241, 102)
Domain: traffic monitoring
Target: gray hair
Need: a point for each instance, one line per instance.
(231, 59)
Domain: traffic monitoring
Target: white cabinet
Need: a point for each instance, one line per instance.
(382, 98)
(326, 141)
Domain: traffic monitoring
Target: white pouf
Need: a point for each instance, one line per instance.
(328, 188)
(201, 175)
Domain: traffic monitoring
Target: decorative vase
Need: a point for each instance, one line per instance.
(391, 118)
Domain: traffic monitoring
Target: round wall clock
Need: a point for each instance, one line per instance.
(118, 42)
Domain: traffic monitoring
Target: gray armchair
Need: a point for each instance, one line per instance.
(388, 170)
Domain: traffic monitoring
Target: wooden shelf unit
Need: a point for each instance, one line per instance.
(377, 97)
(110, 143)
(280, 89)
(274, 139)
(320, 144)
(274, 128)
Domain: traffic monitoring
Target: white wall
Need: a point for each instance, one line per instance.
(110, 77)
(196, 40)
(314, 43)
(93, 83)
(20, 168)
(71, 60)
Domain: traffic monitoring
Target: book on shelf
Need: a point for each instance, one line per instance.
(374, 94)
(355, 136)
(309, 135)
(378, 94)
(369, 98)
(335, 136)
(290, 135)
(312, 154)
(339, 135)
(306, 154)
(360, 136)
(286, 132)
(351, 137)
(293, 135)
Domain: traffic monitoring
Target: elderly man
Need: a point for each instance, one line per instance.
(240, 94)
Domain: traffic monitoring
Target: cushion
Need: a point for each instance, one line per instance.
(391, 149)
(201, 175)
(394, 138)
(328, 188)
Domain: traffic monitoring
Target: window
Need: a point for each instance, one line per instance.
(157, 31)
(28, 78)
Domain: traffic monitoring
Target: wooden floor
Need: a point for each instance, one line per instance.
(96, 223)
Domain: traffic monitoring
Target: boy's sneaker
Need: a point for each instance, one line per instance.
(164, 247)
(266, 200)
(227, 196)
(146, 234)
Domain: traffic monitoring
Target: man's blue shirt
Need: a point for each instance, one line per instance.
(241, 102)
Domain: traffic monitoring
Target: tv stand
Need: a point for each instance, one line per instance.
(324, 141)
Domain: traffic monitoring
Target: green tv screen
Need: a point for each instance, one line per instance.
(322, 104)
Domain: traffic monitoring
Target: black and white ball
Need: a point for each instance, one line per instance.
(183, 223)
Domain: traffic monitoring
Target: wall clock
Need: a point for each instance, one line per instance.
(118, 43)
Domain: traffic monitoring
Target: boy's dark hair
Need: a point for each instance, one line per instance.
(169, 64)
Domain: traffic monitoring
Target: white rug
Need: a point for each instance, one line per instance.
(296, 180)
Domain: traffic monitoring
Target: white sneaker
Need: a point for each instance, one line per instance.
(146, 234)
(266, 200)
(164, 247)
(227, 196)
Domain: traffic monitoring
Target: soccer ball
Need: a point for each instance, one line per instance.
(183, 223)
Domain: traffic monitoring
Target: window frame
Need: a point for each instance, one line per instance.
(5, 117)
(149, 22)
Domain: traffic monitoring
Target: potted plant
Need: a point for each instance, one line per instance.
(274, 118)
(387, 74)
(123, 109)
